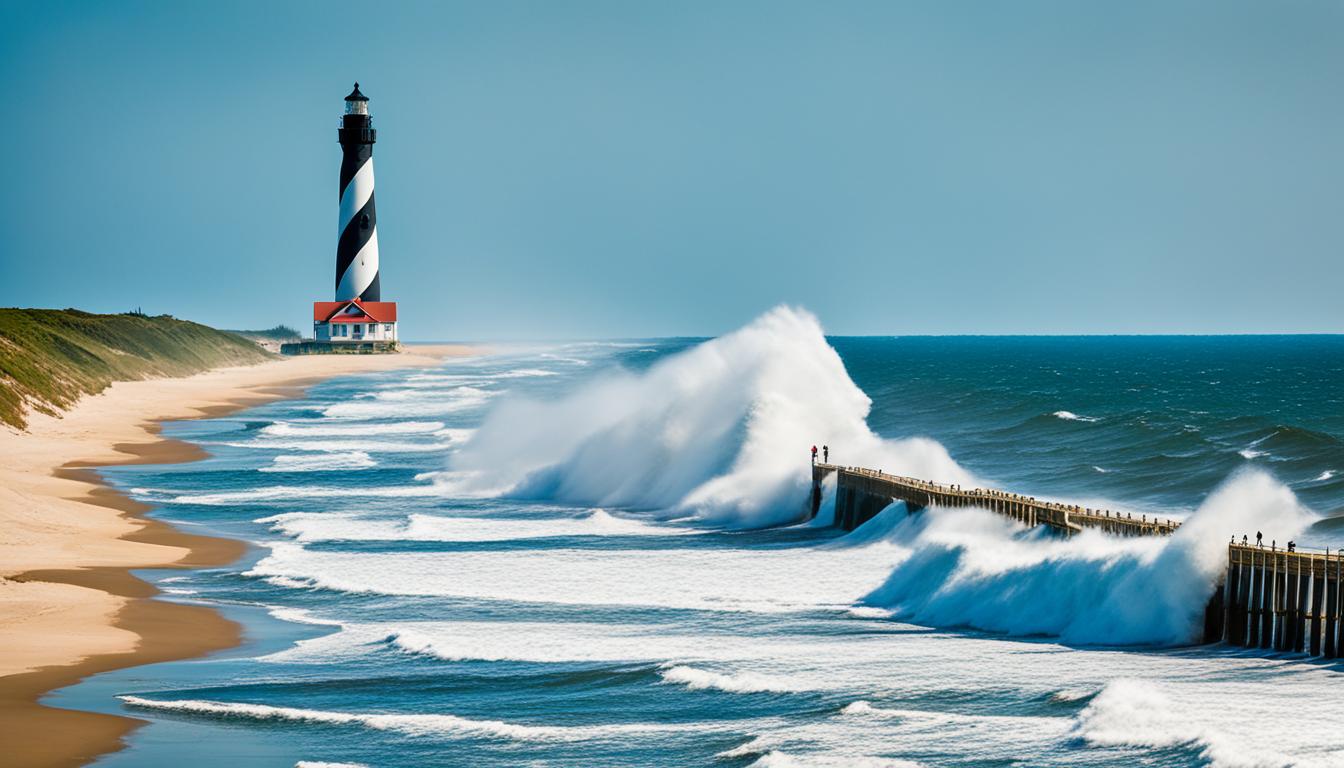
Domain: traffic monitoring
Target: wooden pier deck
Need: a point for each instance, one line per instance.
(862, 493)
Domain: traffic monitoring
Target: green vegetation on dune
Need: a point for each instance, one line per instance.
(49, 358)
(278, 333)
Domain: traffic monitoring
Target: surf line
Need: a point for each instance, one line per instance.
(1269, 598)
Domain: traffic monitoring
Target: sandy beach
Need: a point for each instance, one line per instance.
(69, 606)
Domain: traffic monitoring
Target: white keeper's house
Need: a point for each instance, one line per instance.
(354, 320)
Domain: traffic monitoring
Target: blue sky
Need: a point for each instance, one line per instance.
(599, 169)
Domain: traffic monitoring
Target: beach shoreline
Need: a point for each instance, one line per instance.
(69, 605)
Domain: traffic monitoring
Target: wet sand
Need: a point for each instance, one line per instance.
(69, 605)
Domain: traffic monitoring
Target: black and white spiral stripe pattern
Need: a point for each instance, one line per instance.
(357, 246)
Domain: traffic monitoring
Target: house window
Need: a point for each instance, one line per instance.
(387, 328)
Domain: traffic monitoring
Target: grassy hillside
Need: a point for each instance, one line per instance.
(49, 358)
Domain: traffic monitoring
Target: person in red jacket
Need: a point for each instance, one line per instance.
(814, 454)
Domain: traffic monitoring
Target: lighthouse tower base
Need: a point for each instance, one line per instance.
(328, 348)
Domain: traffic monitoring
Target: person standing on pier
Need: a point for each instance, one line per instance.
(825, 454)
(814, 454)
(1259, 539)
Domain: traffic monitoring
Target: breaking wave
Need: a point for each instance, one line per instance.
(415, 725)
(720, 431)
(970, 567)
(740, 682)
(1136, 713)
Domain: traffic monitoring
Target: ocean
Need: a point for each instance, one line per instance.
(595, 554)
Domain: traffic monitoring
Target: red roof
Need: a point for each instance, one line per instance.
(367, 311)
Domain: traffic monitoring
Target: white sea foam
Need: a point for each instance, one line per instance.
(875, 667)
(409, 402)
(441, 379)
(284, 492)
(299, 616)
(455, 436)
(342, 526)
(720, 430)
(1326, 475)
(970, 567)
(738, 682)
(321, 462)
(347, 445)
(416, 725)
(323, 428)
(323, 764)
(751, 580)
(779, 759)
(1137, 713)
(1101, 470)
(1250, 453)
(1071, 416)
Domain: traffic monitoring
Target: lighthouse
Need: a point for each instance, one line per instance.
(358, 320)
(357, 243)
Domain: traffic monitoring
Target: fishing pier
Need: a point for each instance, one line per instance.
(1269, 598)
(861, 493)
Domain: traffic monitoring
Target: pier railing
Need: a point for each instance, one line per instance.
(854, 510)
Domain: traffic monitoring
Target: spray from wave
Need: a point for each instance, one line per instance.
(720, 431)
(973, 568)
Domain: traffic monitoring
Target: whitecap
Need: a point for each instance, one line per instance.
(323, 428)
(341, 526)
(335, 446)
(285, 492)
(1137, 713)
(412, 724)
(1071, 416)
(322, 462)
(780, 759)
(737, 682)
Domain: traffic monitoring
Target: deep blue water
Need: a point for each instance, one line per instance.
(403, 607)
